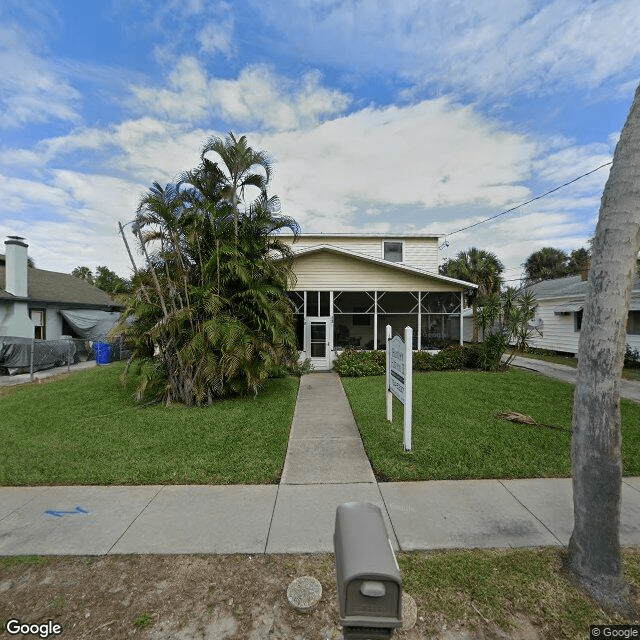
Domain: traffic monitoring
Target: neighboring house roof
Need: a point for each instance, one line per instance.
(574, 288)
(49, 287)
(379, 261)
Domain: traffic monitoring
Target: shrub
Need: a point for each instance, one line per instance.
(631, 358)
(354, 363)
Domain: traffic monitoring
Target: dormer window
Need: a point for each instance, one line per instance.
(392, 250)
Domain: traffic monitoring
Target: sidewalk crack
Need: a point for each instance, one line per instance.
(155, 495)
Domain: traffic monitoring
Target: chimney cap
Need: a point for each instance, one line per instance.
(19, 240)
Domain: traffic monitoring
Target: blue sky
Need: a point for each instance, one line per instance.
(390, 117)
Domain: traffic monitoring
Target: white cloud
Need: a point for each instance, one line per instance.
(32, 90)
(433, 154)
(489, 48)
(257, 97)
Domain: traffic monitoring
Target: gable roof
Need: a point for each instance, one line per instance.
(50, 287)
(385, 263)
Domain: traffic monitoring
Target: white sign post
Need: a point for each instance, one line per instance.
(400, 378)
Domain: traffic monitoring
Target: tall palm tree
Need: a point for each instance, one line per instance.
(239, 162)
(478, 267)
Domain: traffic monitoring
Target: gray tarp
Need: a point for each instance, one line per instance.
(91, 324)
(15, 353)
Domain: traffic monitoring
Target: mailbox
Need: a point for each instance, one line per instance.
(367, 574)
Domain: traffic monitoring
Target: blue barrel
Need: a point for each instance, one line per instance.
(103, 351)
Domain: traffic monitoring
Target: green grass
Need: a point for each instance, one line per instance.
(476, 586)
(87, 429)
(455, 434)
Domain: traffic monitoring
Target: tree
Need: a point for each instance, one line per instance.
(110, 281)
(579, 261)
(546, 264)
(593, 558)
(104, 279)
(478, 267)
(209, 315)
(239, 161)
(84, 273)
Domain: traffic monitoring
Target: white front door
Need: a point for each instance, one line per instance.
(319, 342)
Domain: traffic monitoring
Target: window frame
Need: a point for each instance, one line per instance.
(390, 241)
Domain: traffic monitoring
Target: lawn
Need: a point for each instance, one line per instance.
(87, 429)
(455, 433)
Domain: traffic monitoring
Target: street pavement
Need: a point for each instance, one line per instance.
(629, 389)
(325, 466)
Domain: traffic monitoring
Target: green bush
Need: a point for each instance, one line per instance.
(354, 363)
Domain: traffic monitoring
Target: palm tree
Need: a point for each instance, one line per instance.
(238, 172)
(479, 267)
(212, 316)
(545, 264)
(593, 557)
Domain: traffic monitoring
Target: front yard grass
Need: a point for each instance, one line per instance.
(87, 429)
(455, 433)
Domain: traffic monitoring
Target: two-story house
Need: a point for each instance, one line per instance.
(350, 286)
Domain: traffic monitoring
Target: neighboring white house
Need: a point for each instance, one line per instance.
(350, 286)
(558, 320)
(45, 304)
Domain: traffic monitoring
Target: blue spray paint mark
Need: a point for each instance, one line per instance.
(60, 514)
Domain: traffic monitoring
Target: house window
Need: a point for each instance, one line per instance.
(38, 318)
(392, 251)
(577, 320)
(633, 323)
(318, 303)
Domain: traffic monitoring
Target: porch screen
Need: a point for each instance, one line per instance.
(353, 319)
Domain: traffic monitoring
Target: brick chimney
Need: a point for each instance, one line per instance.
(16, 281)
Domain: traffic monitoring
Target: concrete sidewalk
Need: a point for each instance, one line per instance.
(629, 389)
(324, 467)
(23, 378)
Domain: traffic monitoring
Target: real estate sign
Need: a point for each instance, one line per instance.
(400, 378)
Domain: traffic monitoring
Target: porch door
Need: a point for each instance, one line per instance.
(319, 342)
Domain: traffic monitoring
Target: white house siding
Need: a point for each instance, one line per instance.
(329, 271)
(558, 330)
(420, 252)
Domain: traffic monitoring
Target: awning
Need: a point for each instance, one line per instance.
(569, 307)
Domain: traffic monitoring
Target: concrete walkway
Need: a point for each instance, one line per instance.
(324, 467)
(629, 389)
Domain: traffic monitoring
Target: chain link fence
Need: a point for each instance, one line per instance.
(24, 355)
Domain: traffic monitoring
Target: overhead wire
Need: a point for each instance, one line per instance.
(522, 204)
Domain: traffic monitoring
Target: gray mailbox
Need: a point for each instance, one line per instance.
(367, 574)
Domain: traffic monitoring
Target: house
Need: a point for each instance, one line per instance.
(558, 320)
(49, 305)
(350, 286)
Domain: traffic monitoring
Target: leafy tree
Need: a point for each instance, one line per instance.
(110, 281)
(593, 558)
(209, 312)
(104, 279)
(546, 264)
(579, 261)
(479, 267)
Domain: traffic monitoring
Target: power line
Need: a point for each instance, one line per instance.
(522, 204)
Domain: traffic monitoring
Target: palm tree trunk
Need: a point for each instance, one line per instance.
(593, 557)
